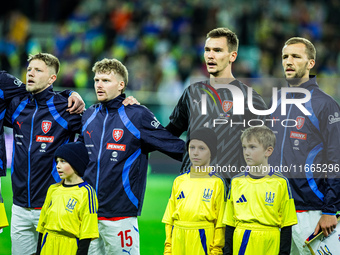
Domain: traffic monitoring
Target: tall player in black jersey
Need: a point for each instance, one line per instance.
(213, 97)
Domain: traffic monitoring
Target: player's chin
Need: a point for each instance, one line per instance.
(30, 89)
(213, 72)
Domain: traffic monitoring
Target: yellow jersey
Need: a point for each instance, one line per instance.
(266, 201)
(70, 210)
(196, 199)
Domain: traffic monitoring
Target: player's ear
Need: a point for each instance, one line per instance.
(311, 64)
(52, 79)
(269, 151)
(121, 86)
(233, 56)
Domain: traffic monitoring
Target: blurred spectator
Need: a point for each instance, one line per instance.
(162, 41)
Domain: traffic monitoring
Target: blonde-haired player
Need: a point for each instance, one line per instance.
(193, 216)
(260, 202)
(68, 220)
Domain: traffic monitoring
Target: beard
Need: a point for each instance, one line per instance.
(36, 88)
(297, 78)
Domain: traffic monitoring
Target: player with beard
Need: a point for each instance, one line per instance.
(310, 149)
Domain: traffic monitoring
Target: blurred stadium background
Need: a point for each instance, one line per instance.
(162, 44)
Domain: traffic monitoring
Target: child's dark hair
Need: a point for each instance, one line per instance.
(206, 135)
(76, 155)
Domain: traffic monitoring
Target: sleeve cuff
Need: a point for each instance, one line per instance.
(328, 213)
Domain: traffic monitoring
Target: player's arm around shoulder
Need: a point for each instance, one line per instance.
(11, 87)
(59, 109)
(75, 102)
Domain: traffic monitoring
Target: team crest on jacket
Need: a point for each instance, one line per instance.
(46, 126)
(117, 134)
(226, 105)
(299, 122)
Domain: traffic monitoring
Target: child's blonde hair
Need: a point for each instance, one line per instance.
(262, 134)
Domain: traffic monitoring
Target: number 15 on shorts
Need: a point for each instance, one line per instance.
(125, 238)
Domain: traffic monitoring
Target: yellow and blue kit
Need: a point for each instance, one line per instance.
(258, 208)
(69, 214)
(194, 215)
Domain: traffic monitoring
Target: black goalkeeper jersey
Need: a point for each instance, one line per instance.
(220, 117)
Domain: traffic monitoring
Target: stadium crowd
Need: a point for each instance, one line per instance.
(162, 42)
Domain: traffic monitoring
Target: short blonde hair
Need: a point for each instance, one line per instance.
(310, 49)
(112, 65)
(262, 134)
(49, 59)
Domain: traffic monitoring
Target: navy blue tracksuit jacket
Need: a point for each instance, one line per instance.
(118, 140)
(310, 151)
(10, 87)
(40, 125)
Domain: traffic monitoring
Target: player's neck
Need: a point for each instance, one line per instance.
(260, 170)
(74, 179)
(224, 78)
(197, 171)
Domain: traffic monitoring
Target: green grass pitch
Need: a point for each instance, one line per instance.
(152, 233)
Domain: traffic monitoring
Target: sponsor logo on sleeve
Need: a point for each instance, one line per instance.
(44, 139)
(17, 82)
(116, 146)
(46, 126)
(155, 123)
(334, 118)
(298, 135)
(181, 195)
(117, 134)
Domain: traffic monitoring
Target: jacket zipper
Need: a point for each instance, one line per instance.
(100, 150)
(29, 157)
(284, 135)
